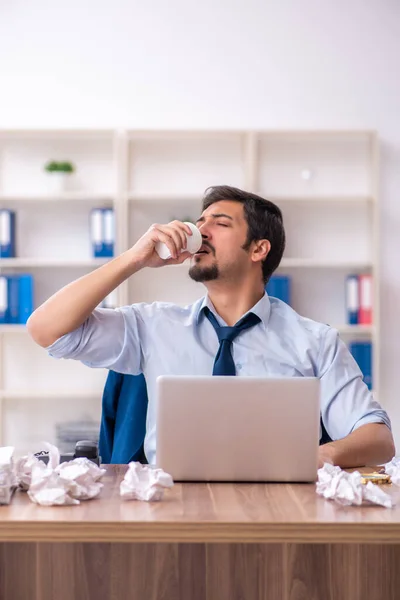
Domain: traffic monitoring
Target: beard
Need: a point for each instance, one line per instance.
(201, 274)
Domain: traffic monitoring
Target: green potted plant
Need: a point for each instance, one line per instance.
(59, 174)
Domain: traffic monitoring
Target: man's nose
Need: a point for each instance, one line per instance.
(204, 231)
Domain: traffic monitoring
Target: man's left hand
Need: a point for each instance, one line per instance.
(325, 455)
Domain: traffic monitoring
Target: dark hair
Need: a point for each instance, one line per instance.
(264, 220)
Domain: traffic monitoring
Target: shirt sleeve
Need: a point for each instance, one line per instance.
(109, 338)
(346, 401)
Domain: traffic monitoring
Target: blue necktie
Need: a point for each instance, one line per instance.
(223, 364)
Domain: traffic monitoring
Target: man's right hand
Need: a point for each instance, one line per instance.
(172, 234)
(68, 308)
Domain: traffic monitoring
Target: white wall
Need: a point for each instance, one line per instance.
(225, 63)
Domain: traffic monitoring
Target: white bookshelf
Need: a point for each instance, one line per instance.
(324, 181)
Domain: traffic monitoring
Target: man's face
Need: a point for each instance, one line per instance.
(224, 231)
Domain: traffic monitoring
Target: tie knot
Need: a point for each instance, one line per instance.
(229, 333)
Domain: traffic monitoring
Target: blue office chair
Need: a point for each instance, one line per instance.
(325, 437)
(123, 419)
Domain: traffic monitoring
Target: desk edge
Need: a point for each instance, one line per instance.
(206, 532)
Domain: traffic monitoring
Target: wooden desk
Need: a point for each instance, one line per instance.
(202, 542)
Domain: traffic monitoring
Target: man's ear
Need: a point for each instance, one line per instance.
(260, 250)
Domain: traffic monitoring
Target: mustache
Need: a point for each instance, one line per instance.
(208, 245)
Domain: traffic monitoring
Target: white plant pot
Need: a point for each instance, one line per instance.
(58, 182)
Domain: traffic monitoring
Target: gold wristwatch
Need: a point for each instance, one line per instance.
(378, 478)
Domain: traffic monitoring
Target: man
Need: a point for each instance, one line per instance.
(243, 243)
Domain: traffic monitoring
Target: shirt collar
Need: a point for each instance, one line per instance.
(262, 309)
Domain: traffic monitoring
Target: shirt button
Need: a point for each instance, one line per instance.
(239, 366)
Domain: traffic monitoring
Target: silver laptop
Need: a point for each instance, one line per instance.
(238, 428)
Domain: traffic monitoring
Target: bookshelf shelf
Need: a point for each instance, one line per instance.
(316, 263)
(56, 394)
(57, 202)
(56, 199)
(190, 197)
(318, 199)
(158, 198)
(356, 329)
(307, 263)
(32, 263)
(325, 181)
(11, 329)
(57, 134)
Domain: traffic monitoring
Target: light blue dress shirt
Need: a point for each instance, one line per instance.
(166, 339)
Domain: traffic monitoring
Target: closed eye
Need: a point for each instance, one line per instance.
(222, 225)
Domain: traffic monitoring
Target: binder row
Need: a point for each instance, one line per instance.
(102, 233)
(359, 299)
(16, 298)
(279, 286)
(7, 233)
(362, 353)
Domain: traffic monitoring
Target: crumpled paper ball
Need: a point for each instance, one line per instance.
(81, 476)
(61, 484)
(8, 480)
(23, 470)
(142, 482)
(392, 468)
(347, 489)
(47, 489)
